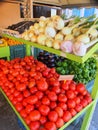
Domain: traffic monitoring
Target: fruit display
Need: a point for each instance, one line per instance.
(21, 26)
(44, 102)
(75, 35)
(83, 72)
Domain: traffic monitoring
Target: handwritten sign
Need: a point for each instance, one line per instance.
(10, 32)
(66, 77)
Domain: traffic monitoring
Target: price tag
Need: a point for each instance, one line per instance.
(10, 32)
(66, 77)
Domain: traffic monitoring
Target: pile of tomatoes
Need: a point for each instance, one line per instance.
(44, 102)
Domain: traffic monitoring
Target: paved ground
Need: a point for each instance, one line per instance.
(8, 119)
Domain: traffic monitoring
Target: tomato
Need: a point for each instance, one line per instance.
(34, 115)
(88, 98)
(29, 108)
(54, 82)
(50, 125)
(59, 110)
(56, 89)
(44, 110)
(42, 85)
(77, 100)
(33, 90)
(26, 93)
(19, 97)
(70, 94)
(80, 87)
(34, 125)
(24, 102)
(31, 83)
(21, 87)
(84, 102)
(67, 116)
(32, 99)
(19, 106)
(12, 90)
(14, 101)
(16, 93)
(63, 105)
(27, 120)
(62, 98)
(73, 112)
(45, 100)
(71, 103)
(84, 92)
(39, 94)
(78, 107)
(53, 105)
(64, 85)
(11, 97)
(23, 113)
(72, 86)
(52, 96)
(43, 120)
(59, 122)
(53, 116)
(37, 105)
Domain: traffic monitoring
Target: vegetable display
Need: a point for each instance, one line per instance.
(42, 100)
(74, 35)
(83, 72)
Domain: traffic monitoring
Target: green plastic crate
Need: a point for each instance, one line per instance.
(17, 51)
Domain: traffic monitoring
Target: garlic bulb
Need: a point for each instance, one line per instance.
(49, 42)
(59, 36)
(36, 26)
(33, 38)
(50, 32)
(56, 44)
(41, 39)
(25, 35)
(69, 37)
(83, 38)
(42, 23)
(76, 32)
(93, 33)
(42, 18)
(66, 31)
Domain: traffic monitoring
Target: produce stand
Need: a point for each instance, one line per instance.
(89, 109)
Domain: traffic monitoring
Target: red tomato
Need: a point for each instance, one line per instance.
(23, 113)
(72, 86)
(11, 97)
(84, 92)
(73, 112)
(39, 94)
(19, 106)
(26, 93)
(77, 100)
(53, 116)
(44, 110)
(27, 120)
(62, 98)
(19, 97)
(33, 90)
(80, 87)
(37, 105)
(70, 94)
(21, 87)
(16, 93)
(59, 122)
(52, 96)
(84, 102)
(71, 103)
(32, 99)
(63, 106)
(14, 101)
(24, 102)
(65, 84)
(53, 105)
(78, 107)
(29, 108)
(32, 83)
(59, 110)
(43, 120)
(12, 90)
(45, 101)
(67, 116)
(50, 125)
(34, 125)
(34, 115)
(88, 98)
(56, 89)
(42, 85)
(54, 82)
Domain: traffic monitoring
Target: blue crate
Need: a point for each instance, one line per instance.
(21, 124)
